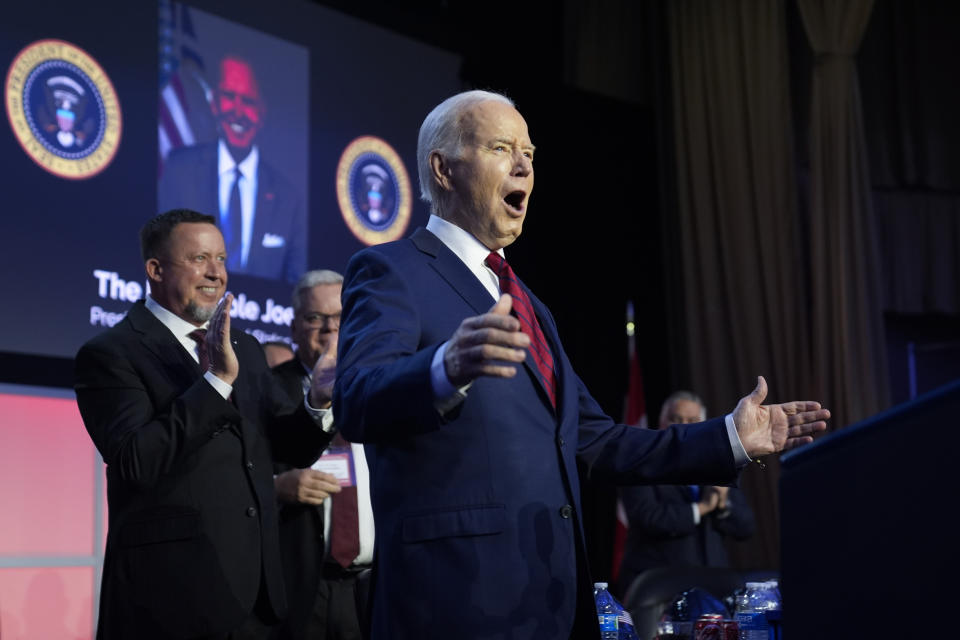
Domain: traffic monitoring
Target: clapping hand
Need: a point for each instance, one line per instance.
(220, 354)
(324, 375)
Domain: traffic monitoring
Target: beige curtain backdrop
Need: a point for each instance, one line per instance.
(847, 323)
(793, 295)
(744, 267)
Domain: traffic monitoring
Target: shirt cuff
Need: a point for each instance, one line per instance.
(322, 417)
(740, 457)
(696, 513)
(446, 397)
(223, 388)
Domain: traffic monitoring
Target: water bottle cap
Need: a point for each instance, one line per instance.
(600, 585)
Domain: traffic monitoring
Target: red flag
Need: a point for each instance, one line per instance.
(635, 415)
(635, 410)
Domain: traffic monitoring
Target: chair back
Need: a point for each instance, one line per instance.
(653, 590)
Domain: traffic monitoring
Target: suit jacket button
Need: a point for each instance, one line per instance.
(561, 441)
(566, 511)
(251, 511)
(249, 464)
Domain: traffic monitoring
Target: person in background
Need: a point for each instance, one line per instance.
(680, 525)
(277, 352)
(453, 375)
(189, 420)
(326, 522)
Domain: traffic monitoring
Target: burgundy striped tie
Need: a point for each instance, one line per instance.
(344, 518)
(528, 323)
(200, 337)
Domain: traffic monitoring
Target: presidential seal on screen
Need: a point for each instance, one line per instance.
(63, 109)
(373, 190)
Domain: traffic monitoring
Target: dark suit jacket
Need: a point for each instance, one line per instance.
(301, 533)
(478, 511)
(278, 244)
(662, 532)
(193, 524)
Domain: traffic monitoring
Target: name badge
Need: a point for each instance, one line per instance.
(338, 463)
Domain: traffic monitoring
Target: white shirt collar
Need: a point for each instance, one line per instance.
(459, 240)
(471, 251)
(226, 163)
(177, 325)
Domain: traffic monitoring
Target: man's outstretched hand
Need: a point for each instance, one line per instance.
(771, 428)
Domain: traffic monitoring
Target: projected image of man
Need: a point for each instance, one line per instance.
(261, 216)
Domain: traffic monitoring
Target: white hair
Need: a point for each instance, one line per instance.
(311, 279)
(442, 131)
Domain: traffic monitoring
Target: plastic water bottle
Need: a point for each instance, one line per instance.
(626, 630)
(773, 585)
(676, 619)
(607, 612)
(752, 607)
(774, 609)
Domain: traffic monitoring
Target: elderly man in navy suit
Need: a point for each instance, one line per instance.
(452, 373)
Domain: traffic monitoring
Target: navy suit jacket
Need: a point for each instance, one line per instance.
(662, 532)
(192, 537)
(278, 244)
(478, 510)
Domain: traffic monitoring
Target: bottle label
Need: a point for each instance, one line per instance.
(608, 621)
(752, 621)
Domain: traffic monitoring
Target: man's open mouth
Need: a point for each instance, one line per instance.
(515, 200)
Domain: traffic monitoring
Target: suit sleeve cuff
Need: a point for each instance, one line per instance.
(446, 397)
(740, 457)
(223, 388)
(322, 417)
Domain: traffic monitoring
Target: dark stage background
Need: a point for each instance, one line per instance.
(594, 83)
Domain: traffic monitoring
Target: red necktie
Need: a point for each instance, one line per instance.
(344, 519)
(523, 310)
(200, 337)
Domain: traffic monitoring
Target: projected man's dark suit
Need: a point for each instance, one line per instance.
(278, 244)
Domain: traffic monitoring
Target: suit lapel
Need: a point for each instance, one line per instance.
(211, 186)
(245, 395)
(171, 355)
(451, 268)
(465, 283)
(263, 211)
(553, 341)
(290, 375)
(158, 340)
